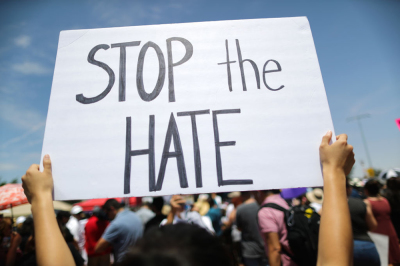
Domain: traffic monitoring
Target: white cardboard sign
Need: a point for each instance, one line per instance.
(186, 108)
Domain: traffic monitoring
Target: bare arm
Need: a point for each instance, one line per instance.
(12, 251)
(370, 218)
(177, 203)
(101, 245)
(51, 248)
(274, 248)
(335, 245)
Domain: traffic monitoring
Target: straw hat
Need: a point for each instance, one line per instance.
(316, 196)
(234, 194)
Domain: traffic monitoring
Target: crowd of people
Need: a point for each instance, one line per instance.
(325, 226)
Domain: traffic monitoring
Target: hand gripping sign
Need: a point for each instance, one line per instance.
(186, 108)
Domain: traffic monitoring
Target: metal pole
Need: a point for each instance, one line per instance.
(365, 142)
(358, 118)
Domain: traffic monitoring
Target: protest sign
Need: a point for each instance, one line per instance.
(186, 108)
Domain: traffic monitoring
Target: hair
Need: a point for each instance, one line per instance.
(211, 201)
(273, 191)
(5, 223)
(245, 193)
(61, 214)
(111, 203)
(158, 203)
(393, 193)
(372, 187)
(180, 244)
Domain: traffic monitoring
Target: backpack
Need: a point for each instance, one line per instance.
(302, 223)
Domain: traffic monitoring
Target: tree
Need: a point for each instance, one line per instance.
(13, 181)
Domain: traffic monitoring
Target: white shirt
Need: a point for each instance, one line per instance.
(73, 227)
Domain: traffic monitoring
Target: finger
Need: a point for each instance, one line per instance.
(181, 201)
(342, 137)
(34, 167)
(326, 138)
(47, 164)
(351, 148)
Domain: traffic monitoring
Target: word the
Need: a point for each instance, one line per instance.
(254, 65)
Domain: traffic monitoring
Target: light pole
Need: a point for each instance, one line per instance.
(358, 118)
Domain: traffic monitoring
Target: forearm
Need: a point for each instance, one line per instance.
(334, 246)
(274, 258)
(11, 255)
(51, 248)
(170, 218)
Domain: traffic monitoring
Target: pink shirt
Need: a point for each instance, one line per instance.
(271, 220)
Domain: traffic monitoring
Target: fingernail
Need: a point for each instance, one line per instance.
(46, 157)
(328, 133)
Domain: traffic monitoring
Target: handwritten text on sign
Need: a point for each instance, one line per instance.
(263, 73)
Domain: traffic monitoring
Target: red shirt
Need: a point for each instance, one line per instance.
(94, 229)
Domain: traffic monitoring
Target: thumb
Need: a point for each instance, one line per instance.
(326, 138)
(47, 163)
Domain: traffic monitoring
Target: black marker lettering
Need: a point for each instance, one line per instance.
(82, 99)
(122, 66)
(228, 66)
(196, 146)
(161, 73)
(218, 144)
(241, 67)
(188, 55)
(269, 71)
(129, 153)
(172, 132)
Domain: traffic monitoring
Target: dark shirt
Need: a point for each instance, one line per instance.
(246, 219)
(154, 222)
(358, 211)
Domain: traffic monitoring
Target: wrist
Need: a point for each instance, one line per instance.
(333, 174)
(42, 198)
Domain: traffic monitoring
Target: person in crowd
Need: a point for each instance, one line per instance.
(362, 220)
(145, 213)
(217, 199)
(202, 207)
(215, 215)
(73, 222)
(315, 198)
(381, 211)
(78, 216)
(335, 239)
(231, 233)
(63, 218)
(10, 242)
(252, 244)
(183, 213)
(157, 205)
(393, 197)
(124, 230)
(94, 229)
(273, 230)
(178, 244)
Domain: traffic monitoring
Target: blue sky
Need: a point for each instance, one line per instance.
(357, 44)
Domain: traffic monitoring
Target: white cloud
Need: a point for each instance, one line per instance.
(31, 68)
(20, 117)
(24, 136)
(7, 166)
(23, 41)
